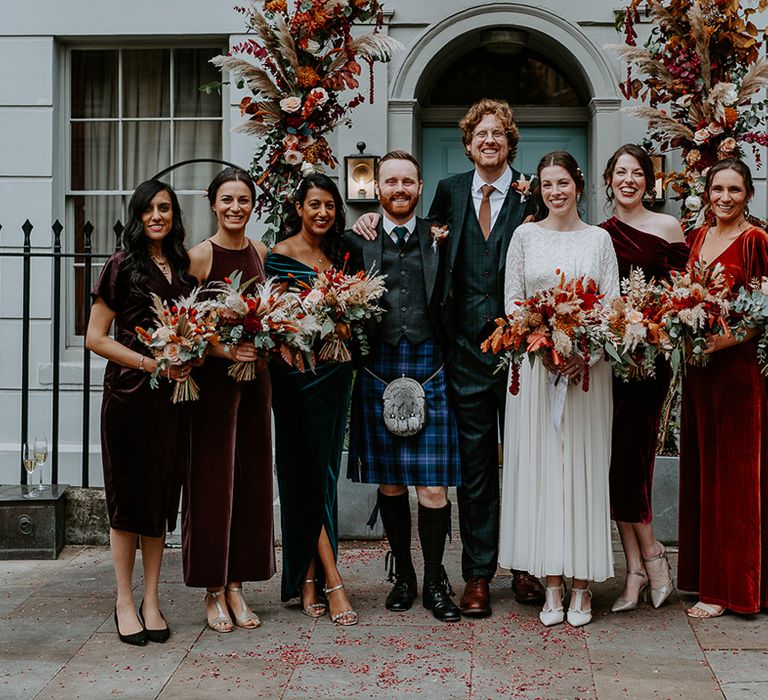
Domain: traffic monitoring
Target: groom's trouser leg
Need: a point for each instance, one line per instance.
(477, 399)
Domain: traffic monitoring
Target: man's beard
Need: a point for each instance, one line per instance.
(396, 210)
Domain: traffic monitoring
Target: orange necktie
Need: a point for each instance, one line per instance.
(484, 216)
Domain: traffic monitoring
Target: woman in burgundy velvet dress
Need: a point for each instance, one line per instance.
(724, 438)
(142, 431)
(653, 242)
(227, 507)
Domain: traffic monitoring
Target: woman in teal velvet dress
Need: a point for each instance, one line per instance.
(310, 411)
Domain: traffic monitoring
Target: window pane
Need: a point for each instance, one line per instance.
(191, 70)
(196, 140)
(94, 84)
(526, 78)
(146, 83)
(146, 151)
(94, 155)
(199, 222)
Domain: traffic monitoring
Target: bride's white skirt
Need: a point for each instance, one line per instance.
(555, 516)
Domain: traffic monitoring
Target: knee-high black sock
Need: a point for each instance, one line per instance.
(396, 517)
(434, 525)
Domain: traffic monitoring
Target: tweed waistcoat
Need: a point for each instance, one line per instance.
(405, 302)
(476, 287)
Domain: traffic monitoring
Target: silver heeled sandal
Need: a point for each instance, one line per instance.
(343, 619)
(625, 604)
(313, 610)
(577, 616)
(247, 616)
(551, 615)
(660, 594)
(222, 619)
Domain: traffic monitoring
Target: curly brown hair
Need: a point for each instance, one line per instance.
(502, 111)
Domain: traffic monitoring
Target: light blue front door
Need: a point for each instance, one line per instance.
(443, 153)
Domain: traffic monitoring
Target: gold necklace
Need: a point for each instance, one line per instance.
(162, 263)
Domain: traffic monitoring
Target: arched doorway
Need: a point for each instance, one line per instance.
(559, 83)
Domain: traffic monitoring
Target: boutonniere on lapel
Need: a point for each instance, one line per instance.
(523, 186)
(438, 234)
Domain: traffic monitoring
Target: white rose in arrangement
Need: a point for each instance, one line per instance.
(293, 157)
(634, 316)
(313, 298)
(290, 140)
(290, 104)
(693, 202)
(715, 129)
(730, 94)
(307, 169)
(701, 136)
(320, 94)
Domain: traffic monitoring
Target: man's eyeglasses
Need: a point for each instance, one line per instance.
(496, 135)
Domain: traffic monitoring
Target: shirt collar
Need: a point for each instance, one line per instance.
(389, 225)
(502, 184)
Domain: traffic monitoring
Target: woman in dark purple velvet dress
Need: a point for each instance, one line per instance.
(227, 531)
(654, 242)
(142, 431)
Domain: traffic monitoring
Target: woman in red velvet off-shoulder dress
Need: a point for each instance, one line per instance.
(723, 440)
(652, 242)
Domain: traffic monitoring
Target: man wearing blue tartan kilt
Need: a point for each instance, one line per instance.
(391, 447)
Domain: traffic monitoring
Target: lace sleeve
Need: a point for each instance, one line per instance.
(514, 280)
(609, 269)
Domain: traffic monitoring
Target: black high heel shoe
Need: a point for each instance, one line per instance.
(138, 639)
(158, 636)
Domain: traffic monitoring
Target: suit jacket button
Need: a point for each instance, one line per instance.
(403, 308)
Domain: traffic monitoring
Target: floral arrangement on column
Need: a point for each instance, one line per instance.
(300, 67)
(700, 71)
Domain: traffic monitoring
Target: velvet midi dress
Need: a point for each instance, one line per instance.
(311, 410)
(227, 506)
(637, 404)
(143, 434)
(724, 457)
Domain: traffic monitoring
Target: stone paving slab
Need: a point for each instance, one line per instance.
(57, 640)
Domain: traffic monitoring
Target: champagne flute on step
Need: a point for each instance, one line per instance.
(30, 464)
(41, 457)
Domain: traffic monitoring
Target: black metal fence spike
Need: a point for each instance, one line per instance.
(88, 231)
(27, 228)
(118, 228)
(57, 228)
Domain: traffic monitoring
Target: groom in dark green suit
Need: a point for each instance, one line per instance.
(481, 209)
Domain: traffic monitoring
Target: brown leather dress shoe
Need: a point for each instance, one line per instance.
(527, 588)
(476, 601)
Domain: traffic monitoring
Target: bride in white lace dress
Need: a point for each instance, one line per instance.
(555, 518)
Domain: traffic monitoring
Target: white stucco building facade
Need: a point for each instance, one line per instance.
(98, 96)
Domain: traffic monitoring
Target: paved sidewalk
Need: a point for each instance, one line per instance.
(57, 640)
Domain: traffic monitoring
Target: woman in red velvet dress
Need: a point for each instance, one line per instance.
(723, 438)
(142, 431)
(227, 533)
(653, 242)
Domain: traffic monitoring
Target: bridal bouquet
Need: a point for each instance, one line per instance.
(696, 305)
(634, 328)
(184, 330)
(751, 305)
(340, 302)
(272, 321)
(558, 322)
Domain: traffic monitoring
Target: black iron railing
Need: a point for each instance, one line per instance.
(85, 257)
